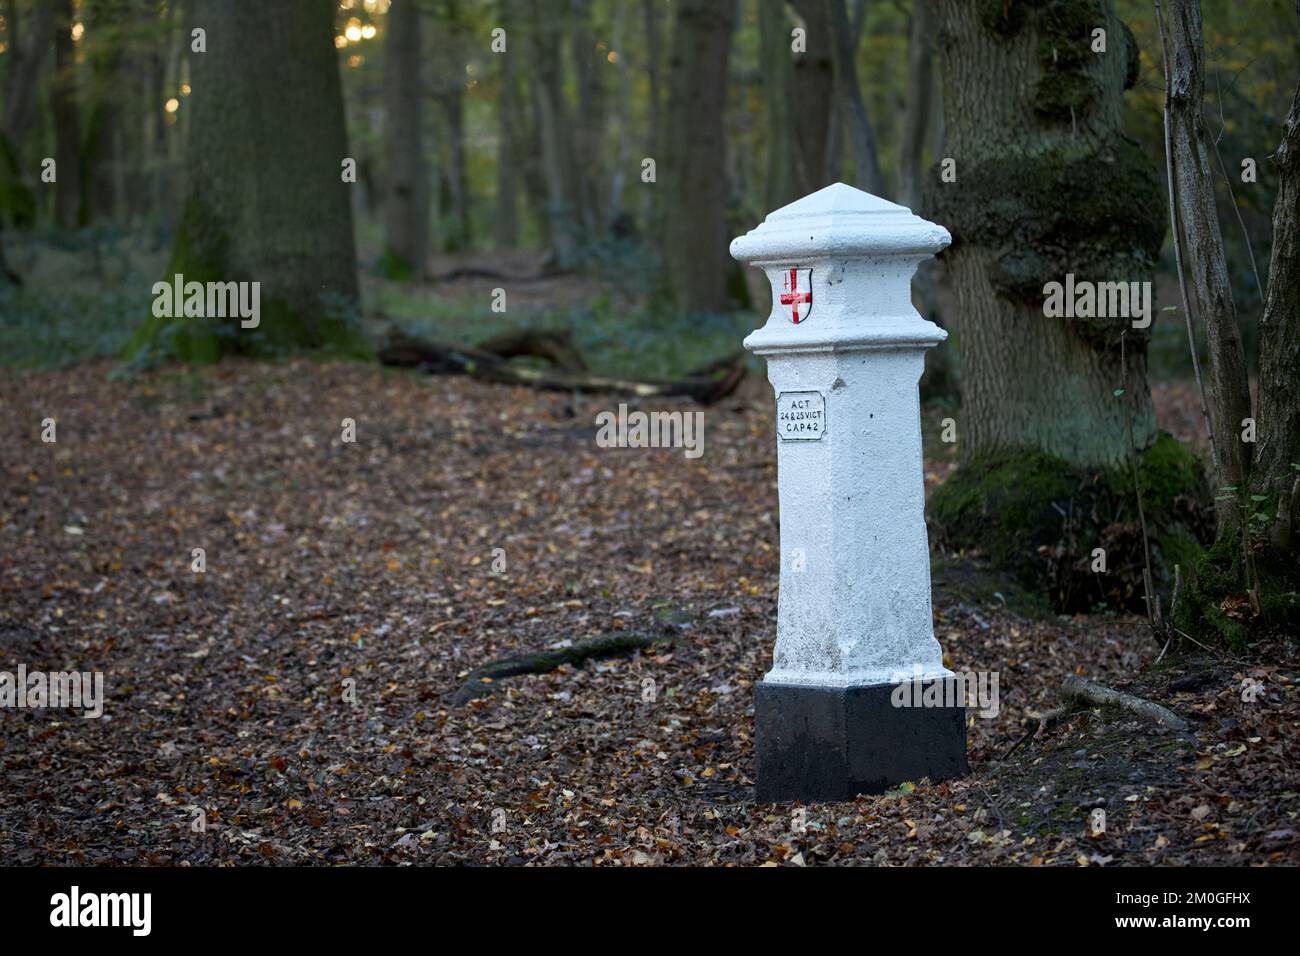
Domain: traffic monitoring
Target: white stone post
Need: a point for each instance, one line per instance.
(845, 350)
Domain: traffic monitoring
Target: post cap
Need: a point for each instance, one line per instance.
(839, 221)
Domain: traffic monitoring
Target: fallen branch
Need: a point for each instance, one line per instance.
(554, 345)
(403, 350)
(481, 679)
(1080, 688)
(1040, 725)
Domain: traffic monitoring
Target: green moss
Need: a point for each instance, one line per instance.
(17, 203)
(1070, 84)
(396, 267)
(199, 254)
(1099, 214)
(1004, 18)
(1041, 518)
(1133, 58)
(1062, 94)
(1214, 605)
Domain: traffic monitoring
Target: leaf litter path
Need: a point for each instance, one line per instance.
(365, 570)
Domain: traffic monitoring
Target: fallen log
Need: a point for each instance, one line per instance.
(1080, 688)
(481, 680)
(554, 345)
(399, 348)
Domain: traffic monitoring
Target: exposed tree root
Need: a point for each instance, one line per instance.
(1080, 688)
(481, 681)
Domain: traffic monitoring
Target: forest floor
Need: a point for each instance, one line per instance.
(291, 704)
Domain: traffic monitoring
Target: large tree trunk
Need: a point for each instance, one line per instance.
(1275, 473)
(265, 199)
(693, 185)
(1047, 184)
(1229, 392)
(67, 127)
(25, 59)
(1056, 415)
(866, 163)
(406, 190)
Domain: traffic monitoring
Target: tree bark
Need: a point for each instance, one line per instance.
(508, 120)
(265, 199)
(101, 150)
(916, 112)
(589, 117)
(406, 191)
(553, 130)
(1046, 185)
(1229, 393)
(813, 95)
(26, 57)
(650, 15)
(1275, 474)
(451, 100)
(866, 162)
(694, 183)
(1060, 451)
(778, 82)
(67, 127)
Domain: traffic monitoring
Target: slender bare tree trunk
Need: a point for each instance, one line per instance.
(67, 127)
(553, 129)
(813, 96)
(651, 11)
(866, 162)
(508, 119)
(693, 186)
(589, 117)
(778, 81)
(1229, 393)
(1275, 474)
(101, 148)
(916, 113)
(405, 180)
(26, 57)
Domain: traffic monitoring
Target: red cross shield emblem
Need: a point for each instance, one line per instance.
(796, 294)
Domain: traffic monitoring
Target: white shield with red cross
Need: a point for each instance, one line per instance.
(796, 294)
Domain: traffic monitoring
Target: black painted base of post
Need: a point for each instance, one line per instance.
(824, 744)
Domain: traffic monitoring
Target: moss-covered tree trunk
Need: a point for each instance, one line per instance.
(1046, 184)
(1053, 408)
(405, 178)
(265, 196)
